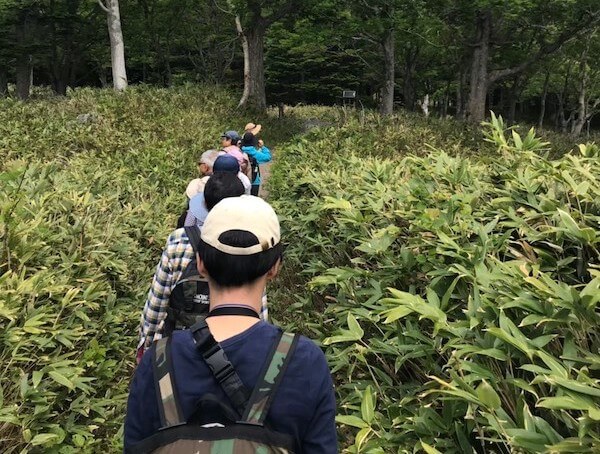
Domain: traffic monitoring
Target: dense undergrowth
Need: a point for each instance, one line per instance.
(488, 343)
(456, 295)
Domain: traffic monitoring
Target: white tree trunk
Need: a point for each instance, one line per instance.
(246, 93)
(425, 105)
(117, 46)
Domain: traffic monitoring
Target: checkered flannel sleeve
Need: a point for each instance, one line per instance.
(157, 301)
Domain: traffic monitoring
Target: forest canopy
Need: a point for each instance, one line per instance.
(531, 61)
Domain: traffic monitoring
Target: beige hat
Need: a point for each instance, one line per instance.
(251, 127)
(196, 186)
(245, 213)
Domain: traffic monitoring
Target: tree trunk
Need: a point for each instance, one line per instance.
(561, 121)
(513, 97)
(408, 89)
(479, 68)
(460, 95)
(23, 60)
(387, 91)
(3, 82)
(543, 101)
(424, 105)
(117, 46)
(254, 95)
(581, 116)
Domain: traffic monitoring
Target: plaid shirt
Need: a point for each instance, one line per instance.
(176, 256)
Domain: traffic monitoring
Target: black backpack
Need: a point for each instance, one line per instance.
(188, 301)
(254, 167)
(234, 427)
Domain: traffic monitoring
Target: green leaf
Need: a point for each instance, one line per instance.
(37, 377)
(488, 396)
(351, 420)
(354, 327)
(61, 379)
(361, 437)
(367, 407)
(429, 449)
(42, 439)
(396, 313)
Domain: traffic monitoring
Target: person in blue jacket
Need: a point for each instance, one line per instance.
(258, 154)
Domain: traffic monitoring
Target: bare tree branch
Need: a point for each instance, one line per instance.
(547, 49)
(103, 6)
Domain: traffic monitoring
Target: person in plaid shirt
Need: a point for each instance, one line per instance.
(176, 256)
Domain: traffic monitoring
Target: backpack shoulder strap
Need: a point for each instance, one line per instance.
(220, 366)
(270, 379)
(169, 407)
(193, 233)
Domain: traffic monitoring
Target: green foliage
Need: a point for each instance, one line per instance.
(455, 292)
(85, 208)
(456, 295)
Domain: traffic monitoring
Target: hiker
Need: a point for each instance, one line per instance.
(176, 257)
(230, 141)
(206, 162)
(257, 156)
(252, 128)
(197, 208)
(230, 163)
(231, 381)
(195, 187)
(205, 168)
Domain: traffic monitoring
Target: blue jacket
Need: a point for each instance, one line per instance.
(261, 155)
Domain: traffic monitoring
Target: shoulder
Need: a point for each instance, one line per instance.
(177, 236)
(307, 352)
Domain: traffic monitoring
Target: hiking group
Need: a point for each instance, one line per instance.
(213, 375)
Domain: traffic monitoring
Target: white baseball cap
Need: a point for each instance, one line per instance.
(246, 213)
(196, 186)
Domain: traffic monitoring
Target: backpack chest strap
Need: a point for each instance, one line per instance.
(220, 366)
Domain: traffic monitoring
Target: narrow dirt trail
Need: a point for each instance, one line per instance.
(265, 173)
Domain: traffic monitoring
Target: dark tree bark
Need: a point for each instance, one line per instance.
(62, 68)
(479, 68)
(3, 82)
(461, 98)
(387, 91)
(513, 98)
(408, 89)
(561, 122)
(481, 79)
(23, 61)
(540, 122)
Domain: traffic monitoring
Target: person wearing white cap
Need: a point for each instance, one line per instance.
(213, 367)
(177, 255)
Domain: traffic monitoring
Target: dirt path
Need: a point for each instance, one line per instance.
(265, 173)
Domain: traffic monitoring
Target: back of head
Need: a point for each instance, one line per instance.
(249, 140)
(231, 135)
(240, 241)
(220, 186)
(208, 157)
(226, 163)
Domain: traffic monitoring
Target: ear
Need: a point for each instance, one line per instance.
(200, 266)
(274, 271)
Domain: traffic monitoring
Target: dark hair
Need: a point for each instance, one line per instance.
(249, 140)
(220, 186)
(228, 270)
